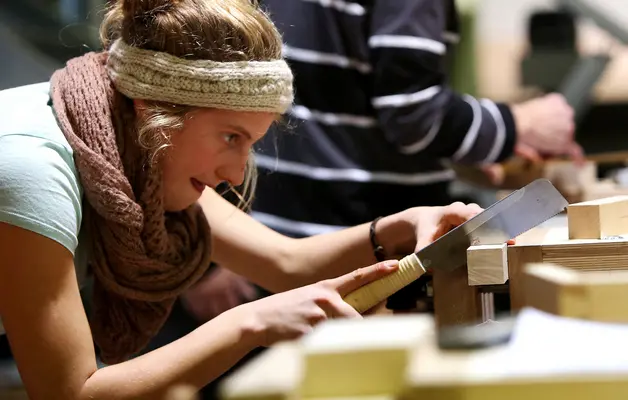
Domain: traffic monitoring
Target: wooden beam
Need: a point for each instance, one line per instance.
(455, 302)
(593, 295)
(518, 257)
(597, 219)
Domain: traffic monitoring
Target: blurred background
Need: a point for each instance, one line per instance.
(38, 36)
(509, 51)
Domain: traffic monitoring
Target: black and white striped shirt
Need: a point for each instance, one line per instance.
(373, 117)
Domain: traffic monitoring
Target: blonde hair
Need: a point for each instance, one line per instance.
(218, 30)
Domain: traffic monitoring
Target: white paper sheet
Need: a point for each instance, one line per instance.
(547, 344)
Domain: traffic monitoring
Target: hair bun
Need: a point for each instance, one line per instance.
(138, 18)
(145, 9)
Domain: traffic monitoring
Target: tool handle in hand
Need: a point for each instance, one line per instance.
(369, 295)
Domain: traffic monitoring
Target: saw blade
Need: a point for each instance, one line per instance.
(506, 219)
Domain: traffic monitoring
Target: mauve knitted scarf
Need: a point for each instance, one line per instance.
(142, 257)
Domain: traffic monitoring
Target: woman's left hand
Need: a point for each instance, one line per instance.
(410, 230)
(430, 223)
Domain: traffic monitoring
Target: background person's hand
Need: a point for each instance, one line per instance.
(546, 127)
(495, 173)
(289, 315)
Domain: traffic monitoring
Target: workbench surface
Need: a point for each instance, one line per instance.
(545, 358)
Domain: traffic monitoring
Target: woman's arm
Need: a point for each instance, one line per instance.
(52, 344)
(277, 262)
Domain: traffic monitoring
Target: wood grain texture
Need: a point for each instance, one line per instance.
(518, 257)
(455, 301)
(487, 265)
(343, 358)
(597, 219)
(556, 248)
(592, 295)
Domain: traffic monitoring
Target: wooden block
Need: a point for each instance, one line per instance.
(368, 357)
(487, 265)
(592, 295)
(602, 189)
(570, 178)
(518, 258)
(455, 302)
(597, 219)
(273, 375)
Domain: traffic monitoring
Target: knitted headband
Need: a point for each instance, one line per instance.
(238, 85)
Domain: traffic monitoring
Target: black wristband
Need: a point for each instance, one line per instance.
(378, 250)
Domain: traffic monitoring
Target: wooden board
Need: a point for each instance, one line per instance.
(597, 219)
(598, 190)
(455, 302)
(570, 179)
(591, 295)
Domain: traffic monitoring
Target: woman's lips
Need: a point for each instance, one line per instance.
(198, 185)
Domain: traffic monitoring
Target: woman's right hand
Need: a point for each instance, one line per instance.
(291, 314)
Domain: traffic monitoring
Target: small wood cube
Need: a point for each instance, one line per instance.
(487, 264)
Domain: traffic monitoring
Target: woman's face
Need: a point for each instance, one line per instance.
(212, 148)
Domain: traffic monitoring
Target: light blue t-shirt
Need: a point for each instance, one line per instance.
(39, 186)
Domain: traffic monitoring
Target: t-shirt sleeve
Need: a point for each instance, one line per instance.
(39, 189)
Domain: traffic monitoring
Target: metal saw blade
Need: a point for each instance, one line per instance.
(506, 219)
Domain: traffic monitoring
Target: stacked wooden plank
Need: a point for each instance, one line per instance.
(592, 237)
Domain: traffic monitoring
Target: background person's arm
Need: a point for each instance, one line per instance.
(416, 108)
(422, 115)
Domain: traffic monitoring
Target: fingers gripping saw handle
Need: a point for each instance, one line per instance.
(369, 295)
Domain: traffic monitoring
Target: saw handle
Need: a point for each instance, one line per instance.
(371, 294)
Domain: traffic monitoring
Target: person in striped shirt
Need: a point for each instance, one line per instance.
(374, 122)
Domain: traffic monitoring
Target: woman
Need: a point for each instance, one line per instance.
(108, 165)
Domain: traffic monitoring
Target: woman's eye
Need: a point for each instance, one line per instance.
(230, 138)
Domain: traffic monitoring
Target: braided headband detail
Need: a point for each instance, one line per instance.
(264, 86)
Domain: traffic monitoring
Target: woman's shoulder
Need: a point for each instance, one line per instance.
(26, 110)
(39, 185)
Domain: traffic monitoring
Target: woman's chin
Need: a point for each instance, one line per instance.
(180, 203)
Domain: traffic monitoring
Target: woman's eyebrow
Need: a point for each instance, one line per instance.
(240, 130)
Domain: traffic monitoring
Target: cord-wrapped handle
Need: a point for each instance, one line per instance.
(369, 295)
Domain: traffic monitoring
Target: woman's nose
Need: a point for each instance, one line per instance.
(234, 175)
